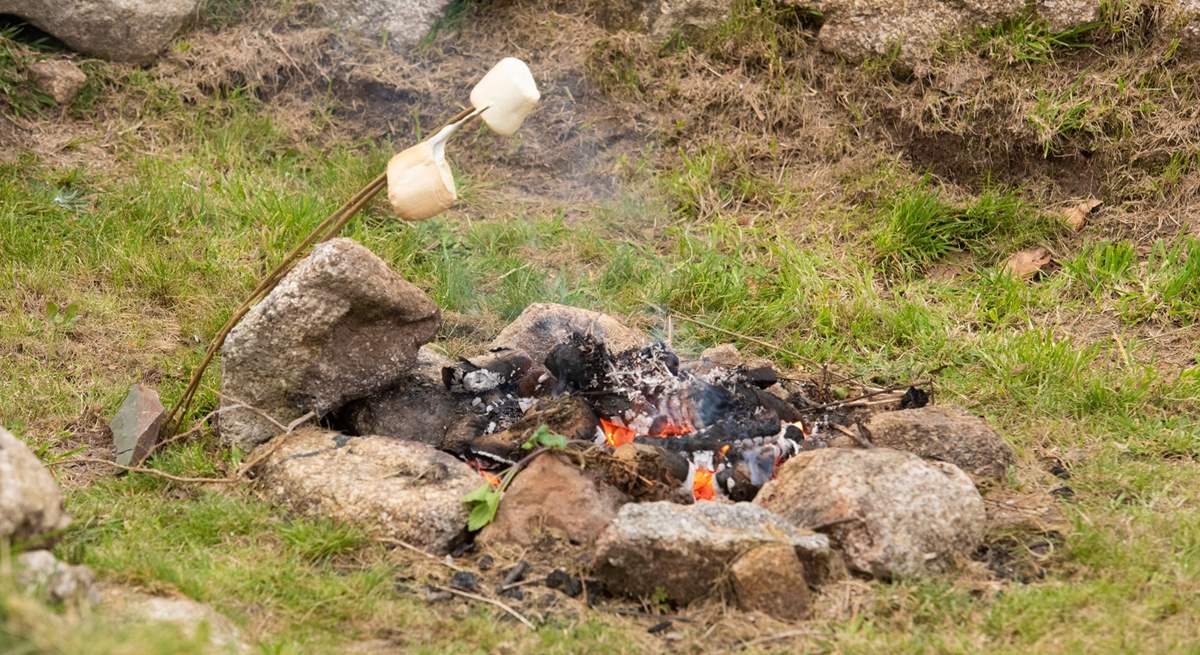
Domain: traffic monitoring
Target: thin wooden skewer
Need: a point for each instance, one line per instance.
(324, 231)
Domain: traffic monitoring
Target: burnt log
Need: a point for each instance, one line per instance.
(565, 415)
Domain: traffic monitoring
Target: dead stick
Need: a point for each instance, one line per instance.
(405, 544)
(769, 345)
(491, 601)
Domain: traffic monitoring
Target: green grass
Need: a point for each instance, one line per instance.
(155, 248)
(920, 227)
(1027, 40)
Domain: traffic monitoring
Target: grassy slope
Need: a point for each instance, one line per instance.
(152, 257)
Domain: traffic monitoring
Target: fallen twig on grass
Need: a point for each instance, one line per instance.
(491, 601)
(199, 425)
(419, 551)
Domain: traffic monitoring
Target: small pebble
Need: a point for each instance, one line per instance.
(464, 580)
(434, 595)
(485, 563)
(516, 573)
(564, 582)
(1063, 492)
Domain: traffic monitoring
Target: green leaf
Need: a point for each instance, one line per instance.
(71, 311)
(483, 501)
(545, 438)
(51, 310)
(478, 494)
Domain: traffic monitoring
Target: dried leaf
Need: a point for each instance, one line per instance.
(1026, 263)
(1076, 216)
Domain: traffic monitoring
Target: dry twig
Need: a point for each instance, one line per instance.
(419, 551)
(491, 601)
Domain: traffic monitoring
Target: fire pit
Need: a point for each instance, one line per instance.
(729, 426)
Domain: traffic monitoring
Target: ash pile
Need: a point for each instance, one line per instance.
(633, 471)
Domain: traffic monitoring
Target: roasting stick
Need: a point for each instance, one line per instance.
(324, 231)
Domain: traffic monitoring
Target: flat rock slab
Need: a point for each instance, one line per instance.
(686, 550)
(946, 434)
(136, 425)
(891, 513)
(553, 496)
(393, 488)
(120, 30)
(31, 503)
(341, 326)
(543, 326)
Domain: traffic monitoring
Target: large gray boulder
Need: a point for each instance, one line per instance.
(947, 434)
(401, 22)
(686, 550)
(391, 487)
(857, 29)
(30, 501)
(891, 513)
(340, 326)
(120, 30)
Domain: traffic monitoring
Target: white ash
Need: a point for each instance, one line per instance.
(481, 380)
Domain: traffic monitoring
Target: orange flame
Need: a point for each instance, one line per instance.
(616, 434)
(703, 484)
(491, 478)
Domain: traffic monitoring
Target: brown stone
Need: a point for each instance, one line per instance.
(553, 496)
(891, 513)
(58, 78)
(393, 488)
(340, 326)
(770, 579)
(136, 424)
(946, 434)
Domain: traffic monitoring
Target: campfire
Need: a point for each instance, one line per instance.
(727, 427)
